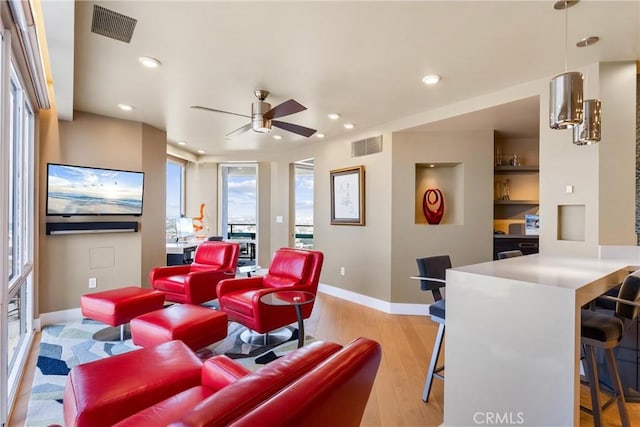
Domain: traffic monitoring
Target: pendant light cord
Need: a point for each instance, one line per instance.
(566, 37)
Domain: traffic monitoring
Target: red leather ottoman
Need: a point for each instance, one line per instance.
(118, 306)
(99, 393)
(195, 325)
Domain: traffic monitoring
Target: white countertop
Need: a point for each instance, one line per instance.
(557, 271)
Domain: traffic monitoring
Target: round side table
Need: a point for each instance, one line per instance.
(294, 298)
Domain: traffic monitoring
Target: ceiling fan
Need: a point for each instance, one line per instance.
(262, 116)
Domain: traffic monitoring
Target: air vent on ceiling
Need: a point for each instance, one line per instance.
(112, 24)
(366, 146)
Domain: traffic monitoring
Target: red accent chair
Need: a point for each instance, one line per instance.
(196, 283)
(290, 269)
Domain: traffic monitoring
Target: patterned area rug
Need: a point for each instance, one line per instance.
(64, 346)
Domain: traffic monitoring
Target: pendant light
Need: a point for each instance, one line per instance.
(588, 132)
(565, 99)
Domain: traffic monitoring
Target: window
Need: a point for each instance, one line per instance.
(175, 196)
(303, 199)
(18, 225)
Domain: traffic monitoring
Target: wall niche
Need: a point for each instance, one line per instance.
(448, 178)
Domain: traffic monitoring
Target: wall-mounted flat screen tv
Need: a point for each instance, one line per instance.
(81, 190)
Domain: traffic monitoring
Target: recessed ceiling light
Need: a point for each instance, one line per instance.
(320, 135)
(333, 116)
(200, 151)
(349, 125)
(126, 107)
(587, 41)
(277, 137)
(149, 62)
(431, 79)
(182, 143)
(432, 165)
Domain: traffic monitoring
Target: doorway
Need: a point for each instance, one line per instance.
(303, 180)
(239, 208)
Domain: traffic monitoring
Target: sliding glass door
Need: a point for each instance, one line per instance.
(303, 204)
(239, 207)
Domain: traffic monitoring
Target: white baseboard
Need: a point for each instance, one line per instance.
(54, 317)
(375, 303)
(75, 314)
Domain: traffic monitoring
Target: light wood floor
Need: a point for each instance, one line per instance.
(406, 347)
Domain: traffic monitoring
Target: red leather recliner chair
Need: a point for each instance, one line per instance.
(290, 269)
(196, 283)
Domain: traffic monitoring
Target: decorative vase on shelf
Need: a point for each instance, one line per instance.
(433, 205)
(506, 189)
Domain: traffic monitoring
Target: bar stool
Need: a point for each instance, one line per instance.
(432, 277)
(600, 330)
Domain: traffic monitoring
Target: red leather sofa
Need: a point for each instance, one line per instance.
(317, 385)
(195, 283)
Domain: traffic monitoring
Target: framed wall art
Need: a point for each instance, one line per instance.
(347, 196)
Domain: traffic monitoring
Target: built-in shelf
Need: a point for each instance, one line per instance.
(512, 169)
(515, 202)
(520, 185)
(448, 178)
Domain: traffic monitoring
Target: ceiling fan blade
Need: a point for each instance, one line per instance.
(300, 130)
(238, 131)
(287, 107)
(199, 107)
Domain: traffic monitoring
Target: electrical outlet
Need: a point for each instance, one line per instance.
(342, 271)
(92, 282)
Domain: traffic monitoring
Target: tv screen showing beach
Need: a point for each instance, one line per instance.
(79, 190)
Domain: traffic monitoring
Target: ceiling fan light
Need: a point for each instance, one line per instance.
(565, 100)
(259, 123)
(588, 132)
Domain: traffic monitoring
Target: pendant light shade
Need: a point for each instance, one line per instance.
(588, 132)
(565, 100)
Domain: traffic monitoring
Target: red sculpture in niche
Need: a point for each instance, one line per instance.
(433, 205)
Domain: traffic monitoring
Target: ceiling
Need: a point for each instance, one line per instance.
(363, 60)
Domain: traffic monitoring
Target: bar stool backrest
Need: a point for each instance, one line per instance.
(629, 291)
(434, 267)
(510, 254)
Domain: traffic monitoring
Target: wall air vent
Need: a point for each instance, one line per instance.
(366, 146)
(112, 24)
